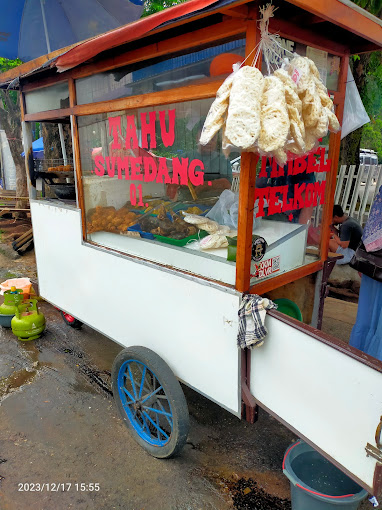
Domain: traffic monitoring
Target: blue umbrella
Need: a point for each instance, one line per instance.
(38, 149)
(31, 28)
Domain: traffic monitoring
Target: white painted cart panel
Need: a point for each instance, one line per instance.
(329, 398)
(189, 323)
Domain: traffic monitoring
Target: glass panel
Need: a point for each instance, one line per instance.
(53, 164)
(144, 173)
(327, 64)
(288, 207)
(47, 98)
(141, 78)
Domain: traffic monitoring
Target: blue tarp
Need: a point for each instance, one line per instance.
(38, 149)
(22, 24)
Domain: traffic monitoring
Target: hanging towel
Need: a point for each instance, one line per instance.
(252, 312)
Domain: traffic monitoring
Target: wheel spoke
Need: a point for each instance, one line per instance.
(146, 384)
(132, 381)
(158, 434)
(157, 411)
(129, 395)
(155, 425)
(165, 413)
(151, 394)
(142, 381)
(145, 424)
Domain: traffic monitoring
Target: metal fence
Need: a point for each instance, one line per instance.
(356, 189)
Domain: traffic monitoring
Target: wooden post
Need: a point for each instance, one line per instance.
(247, 183)
(245, 223)
(28, 150)
(334, 155)
(77, 172)
(72, 93)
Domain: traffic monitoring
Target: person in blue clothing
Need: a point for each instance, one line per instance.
(366, 334)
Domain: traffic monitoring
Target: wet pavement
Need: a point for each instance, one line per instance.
(59, 427)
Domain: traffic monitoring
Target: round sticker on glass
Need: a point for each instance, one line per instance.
(259, 247)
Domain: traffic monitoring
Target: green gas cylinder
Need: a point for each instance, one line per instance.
(12, 298)
(28, 323)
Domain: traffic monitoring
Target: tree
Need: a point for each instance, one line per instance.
(152, 6)
(367, 72)
(10, 121)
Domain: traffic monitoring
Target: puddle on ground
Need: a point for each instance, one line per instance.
(18, 378)
(15, 381)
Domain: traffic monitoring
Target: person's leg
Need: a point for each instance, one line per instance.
(347, 253)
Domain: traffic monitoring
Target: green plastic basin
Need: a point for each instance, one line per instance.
(288, 307)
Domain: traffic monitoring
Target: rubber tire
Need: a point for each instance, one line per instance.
(76, 324)
(174, 394)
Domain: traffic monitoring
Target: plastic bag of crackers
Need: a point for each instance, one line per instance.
(281, 115)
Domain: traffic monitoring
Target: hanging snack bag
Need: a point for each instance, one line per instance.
(217, 112)
(275, 122)
(243, 118)
(317, 107)
(296, 142)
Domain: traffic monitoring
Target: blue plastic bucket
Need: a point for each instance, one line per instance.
(316, 484)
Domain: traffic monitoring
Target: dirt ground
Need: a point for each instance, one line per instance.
(59, 426)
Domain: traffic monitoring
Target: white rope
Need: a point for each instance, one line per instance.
(269, 44)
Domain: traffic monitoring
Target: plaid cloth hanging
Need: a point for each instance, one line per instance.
(252, 312)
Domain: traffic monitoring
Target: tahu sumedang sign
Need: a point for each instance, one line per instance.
(147, 167)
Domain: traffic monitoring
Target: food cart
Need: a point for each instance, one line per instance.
(118, 258)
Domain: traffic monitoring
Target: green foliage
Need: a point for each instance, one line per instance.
(373, 6)
(372, 100)
(367, 71)
(6, 64)
(152, 6)
(371, 137)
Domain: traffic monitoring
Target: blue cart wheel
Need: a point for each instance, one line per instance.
(151, 401)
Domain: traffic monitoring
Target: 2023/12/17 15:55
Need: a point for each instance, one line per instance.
(58, 487)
